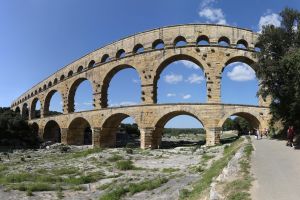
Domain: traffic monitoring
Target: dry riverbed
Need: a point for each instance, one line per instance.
(80, 172)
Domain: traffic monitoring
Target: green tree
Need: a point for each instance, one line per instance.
(14, 130)
(278, 67)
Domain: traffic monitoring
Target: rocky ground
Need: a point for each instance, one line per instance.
(80, 172)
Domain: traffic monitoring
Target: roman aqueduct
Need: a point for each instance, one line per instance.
(148, 53)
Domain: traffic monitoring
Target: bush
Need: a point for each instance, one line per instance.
(125, 165)
(15, 131)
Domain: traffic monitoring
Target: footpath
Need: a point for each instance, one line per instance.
(276, 170)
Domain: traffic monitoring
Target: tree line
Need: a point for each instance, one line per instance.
(15, 131)
(278, 68)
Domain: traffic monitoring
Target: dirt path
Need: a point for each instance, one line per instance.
(276, 169)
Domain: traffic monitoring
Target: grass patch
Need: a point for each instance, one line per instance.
(170, 170)
(107, 185)
(84, 179)
(115, 158)
(32, 187)
(206, 157)
(25, 181)
(125, 165)
(133, 188)
(3, 168)
(116, 194)
(239, 188)
(85, 153)
(64, 171)
(146, 185)
(213, 171)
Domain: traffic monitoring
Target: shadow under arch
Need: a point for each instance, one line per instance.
(48, 101)
(25, 111)
(79, 132)
(167, 62)
(110, 127)
(162, 121)
(18, 110)
(33, 112)
(253, 120)
(242, 59)
(72, 92)
(52, 132)
(107, 79)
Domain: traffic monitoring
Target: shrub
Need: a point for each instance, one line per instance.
(125, 165)
(115, 158)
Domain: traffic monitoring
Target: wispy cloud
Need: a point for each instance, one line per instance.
(173, 78)
(171, 95)
(241, 72)
(269, 18)
(211, 14)
(186, 96)
(123, 103)
(87, 103)
(136, 81)
(194, 78)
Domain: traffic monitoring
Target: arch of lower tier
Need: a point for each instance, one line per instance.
(150, 119)
(161, 122)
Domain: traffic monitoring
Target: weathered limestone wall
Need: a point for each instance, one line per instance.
(98, 70)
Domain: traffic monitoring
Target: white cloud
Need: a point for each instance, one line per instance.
(87, 103)
(188, 64)
(213, 15)
(187, 96)
(173, 78)
(171, 95)
(123, 103)
(241, 72)
(136, 80)
(269, 19)
(194, 78)
(206, 3)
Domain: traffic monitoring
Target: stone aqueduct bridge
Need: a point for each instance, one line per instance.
(148, 53)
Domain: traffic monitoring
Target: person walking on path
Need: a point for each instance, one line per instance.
(290, 136)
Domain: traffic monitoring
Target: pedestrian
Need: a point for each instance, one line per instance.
(256, 132)
(266, 132)
(290, 136)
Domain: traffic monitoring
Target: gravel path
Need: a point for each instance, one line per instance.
(276, 169)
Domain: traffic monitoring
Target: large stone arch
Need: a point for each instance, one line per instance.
(79, 132)
(33, 105)
(110, 126)
(108, 77)
(25, 110)
(170, 59)
(47, 101)
(161, 121)
(249, 60)
(18, 110)
(253, 118)
(52, 132)
(72, 91)
(245, 59)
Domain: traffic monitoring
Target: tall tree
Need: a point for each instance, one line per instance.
(278, 67)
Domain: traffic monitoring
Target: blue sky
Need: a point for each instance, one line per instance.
(39, 37)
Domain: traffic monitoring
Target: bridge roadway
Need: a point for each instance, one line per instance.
(150, 119)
